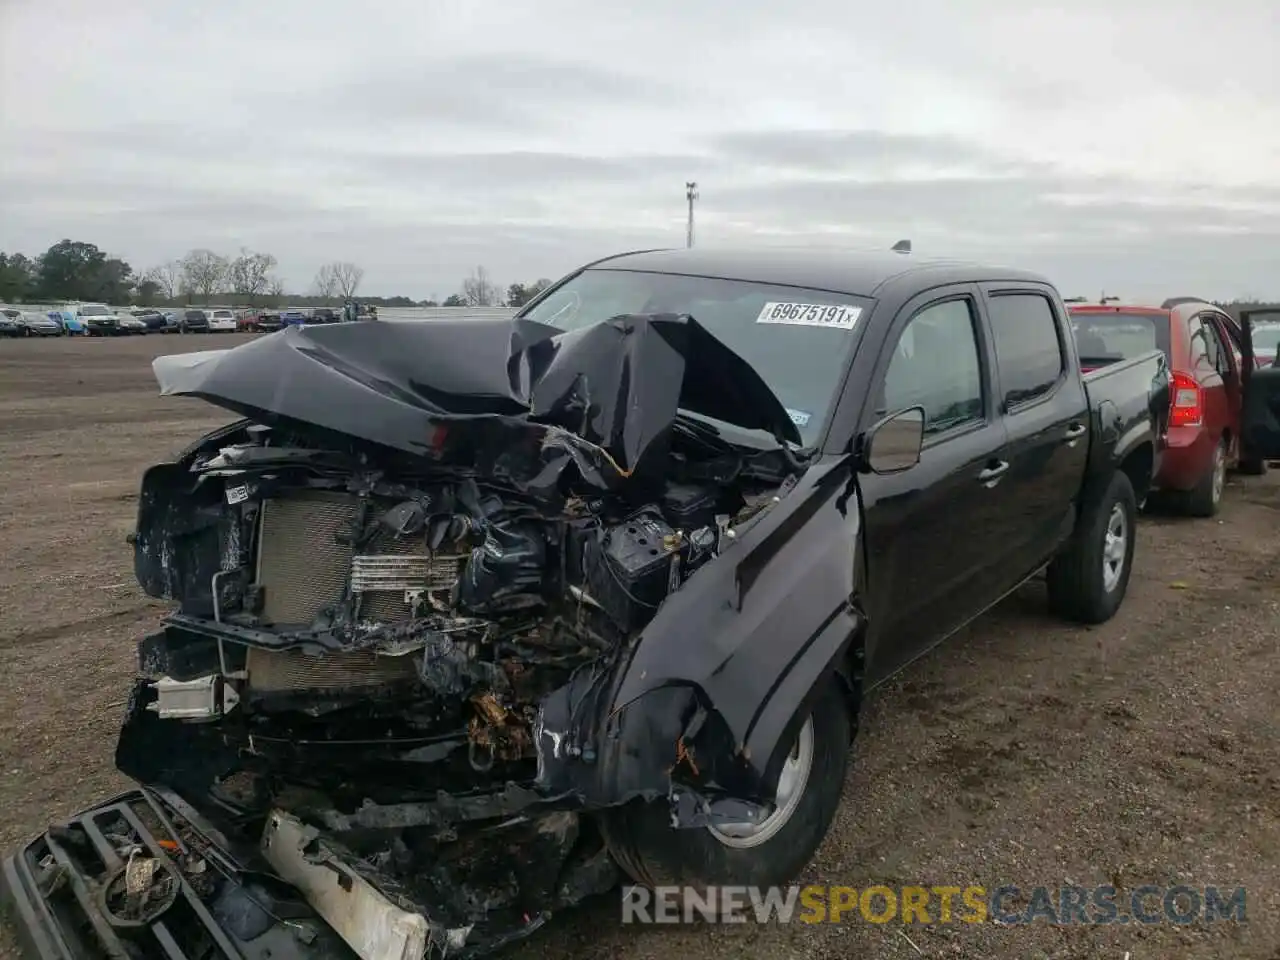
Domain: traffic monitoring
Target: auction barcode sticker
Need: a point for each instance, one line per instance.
(835, 316)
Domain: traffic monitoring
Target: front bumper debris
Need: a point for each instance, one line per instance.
(355, 908)
(143, 876)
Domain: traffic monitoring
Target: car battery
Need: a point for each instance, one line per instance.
(627, 568)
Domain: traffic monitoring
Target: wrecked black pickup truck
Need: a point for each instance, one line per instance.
(477, 618)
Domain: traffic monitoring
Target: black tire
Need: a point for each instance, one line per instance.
(1079, 589)
(653, 853)
(1206, 498)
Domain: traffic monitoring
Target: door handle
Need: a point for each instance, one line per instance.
(1075, 431)
(993, 472)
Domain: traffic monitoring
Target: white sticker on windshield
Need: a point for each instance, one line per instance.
(835, 316)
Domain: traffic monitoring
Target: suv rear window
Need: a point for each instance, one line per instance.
(195, 314)
(1112, 336)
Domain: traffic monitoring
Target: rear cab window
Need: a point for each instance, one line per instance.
(1028, 344)
(1109, 336)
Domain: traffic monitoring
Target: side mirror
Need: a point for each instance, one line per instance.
(894, 443)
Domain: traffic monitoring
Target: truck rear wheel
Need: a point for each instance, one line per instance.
(654, 853)
(1088, 580)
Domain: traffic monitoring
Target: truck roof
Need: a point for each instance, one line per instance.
(859, 273)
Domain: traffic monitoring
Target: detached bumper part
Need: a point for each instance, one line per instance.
(80, 892)
(374, 927)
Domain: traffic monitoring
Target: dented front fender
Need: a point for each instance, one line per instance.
(716, 686)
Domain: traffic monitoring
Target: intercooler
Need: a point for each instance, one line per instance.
(306, 563)
(272, 672)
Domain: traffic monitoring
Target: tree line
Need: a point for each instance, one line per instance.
(77, 270)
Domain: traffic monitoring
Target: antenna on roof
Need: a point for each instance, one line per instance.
(902, 246)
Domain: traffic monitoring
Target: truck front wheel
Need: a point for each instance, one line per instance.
(654, 853)
(1088, 580)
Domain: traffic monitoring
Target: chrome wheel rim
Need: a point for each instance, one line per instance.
(1114, 546)
(1219, 474)
(791, 786)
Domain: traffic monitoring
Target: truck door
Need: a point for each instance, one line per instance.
(930, 531)
(1046, 416)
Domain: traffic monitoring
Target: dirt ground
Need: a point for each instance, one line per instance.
(1024, 752)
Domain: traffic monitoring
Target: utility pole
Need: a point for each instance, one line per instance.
(691, 194)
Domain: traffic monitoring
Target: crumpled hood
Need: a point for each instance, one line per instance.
(616, 385)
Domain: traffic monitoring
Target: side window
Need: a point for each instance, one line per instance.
(935, 365)
(1028, 345)
(1219, 345)
(1202, 348)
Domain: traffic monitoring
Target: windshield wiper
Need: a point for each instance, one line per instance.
(696, 425)
(702, 432)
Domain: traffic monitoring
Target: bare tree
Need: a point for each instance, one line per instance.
(204, 273)
(275, 287)
(250, 273)
(325, 284)
(338, 279)
(167, 277)
(479, 290)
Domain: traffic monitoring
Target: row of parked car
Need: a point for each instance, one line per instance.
(99, 320)
(1204, 346)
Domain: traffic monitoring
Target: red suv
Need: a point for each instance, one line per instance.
(1202, 345)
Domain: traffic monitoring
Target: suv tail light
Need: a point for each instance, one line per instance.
(1188, 402)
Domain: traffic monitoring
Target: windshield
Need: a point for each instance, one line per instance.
(91, 310)
(796, 339)
(1119, 336)
(223, 314)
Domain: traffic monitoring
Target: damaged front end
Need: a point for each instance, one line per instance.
(449, 589)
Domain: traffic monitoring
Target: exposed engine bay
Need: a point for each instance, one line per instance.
(365, 636)
(337, 597)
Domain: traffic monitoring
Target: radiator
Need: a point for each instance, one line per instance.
(303, 568)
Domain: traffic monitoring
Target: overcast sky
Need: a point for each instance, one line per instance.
(1131, 145)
